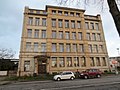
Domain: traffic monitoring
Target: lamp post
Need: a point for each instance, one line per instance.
(118, 51)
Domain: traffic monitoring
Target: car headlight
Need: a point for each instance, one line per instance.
(81, 74)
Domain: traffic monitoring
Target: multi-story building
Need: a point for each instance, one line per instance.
(61, 39)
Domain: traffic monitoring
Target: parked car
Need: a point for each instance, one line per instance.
(90, 73)
(64, 75)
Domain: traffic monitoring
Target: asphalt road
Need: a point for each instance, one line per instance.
(103, 83)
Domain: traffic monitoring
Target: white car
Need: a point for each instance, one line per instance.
(64, 75)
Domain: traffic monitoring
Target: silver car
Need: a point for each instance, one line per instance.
(64, 75)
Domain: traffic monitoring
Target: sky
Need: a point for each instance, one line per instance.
(11, 21)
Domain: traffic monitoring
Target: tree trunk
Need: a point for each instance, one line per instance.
(115, 13)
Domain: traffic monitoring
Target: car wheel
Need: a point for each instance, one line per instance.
(72, 78)
(58, 79)
(98, 76)
(86, 77)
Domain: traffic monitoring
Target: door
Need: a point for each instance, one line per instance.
(42, 69)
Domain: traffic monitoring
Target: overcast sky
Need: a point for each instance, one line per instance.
(11, 20)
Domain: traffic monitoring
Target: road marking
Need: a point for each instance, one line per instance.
(81, 86)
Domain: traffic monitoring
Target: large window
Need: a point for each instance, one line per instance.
(30, 21)
(68, 48)
(73, 24)
(88, 36)
(43, 34)
(80, 35)
(37, 21)
(61, 47)
(73, 35)
(28, 46)
(61, 34)
(87, 25)
(44, 22)
(78, 24)
(97, 26)
(81, 48)
(66, 23)
(60, 23)
(83, 63)
(61, 62)
(26, 65)
(36, 47)
(67, 34)
(104, 61)
(92, 61)
(54, 62)
(29, 33)
(43, 47)
(95, 48)
(54, 34)
(98, 61)
(76, 61)
(36, 33)
(98, 37)
(53, 22)
(90, 48)
(69, 62)
(54, 47)
(74, 47)
(93, 36)
(92, 25)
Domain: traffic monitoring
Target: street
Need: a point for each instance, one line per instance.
(103, 83)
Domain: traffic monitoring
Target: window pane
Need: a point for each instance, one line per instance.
(87, 25)
(43, 34)
(28, 46)
(36, 47)
(36, 33)
(30, 21)
(67, 34)
(61, 62)
(92, 25)
(29, 33)
(61, 35)
(78, 24)
(81, 48)
(92, 61)
(98, 61)
(104, 61)
(44, 22)
(54, 47)
(37, 21)
(27, 66)
(97, 26)
(74, 47)
(54, 34)
(73, 24)
(69, 62)
(93, 36)
(80, 35)
(66, 24)
(88, 36)
(90, 48)
(83, 61)
(43, 47)
(53, 22)
(60, 23)
(76, 61)
(73, 35)
(68, 48)
(61, 47)
(54, 62)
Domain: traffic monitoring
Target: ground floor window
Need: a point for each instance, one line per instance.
(104, 61)
(83, 63)
(76, 61)
(92, 63)
(27, 66)
(69, 62)
(54, 62)
(61, 62)
(98, 61)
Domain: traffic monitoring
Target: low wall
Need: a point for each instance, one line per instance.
(3, 73)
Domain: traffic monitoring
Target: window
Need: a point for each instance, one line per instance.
(43, 47)
(29, 33)
(60, 23)
(97, 26)
(69, 62)
(81, 48)
(26, 65)
(66, 13)
(98, 61)
(38, 12)
(53, 12)
(78, 14)
(54, 34)
(67, 34)
(53, 22)
(44, 23)
(54, 47)
(87, 25)
(36, 33)
(61, 47)
(73, 35)
(95, 48)
(76, 61)
(54, 62)
(36, 47)
(43, 34)
(93, 36)
(37, 21)
(30, 21)
(61, 62)
(74, 47)
(60, 12)
(68, 48)
(83, 63)
(72, 14)
(60, 34)
(66, 23)
(90, 48)
(80, 35)
(28, 46)
(101, 48)
(92, 25)
(78, 24)
(92, 61)
(104, 61)
(73, 24)
(88, 36)
(99, 37)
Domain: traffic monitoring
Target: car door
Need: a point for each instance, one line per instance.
(63, 75)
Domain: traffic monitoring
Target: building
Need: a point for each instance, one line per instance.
(60, 39)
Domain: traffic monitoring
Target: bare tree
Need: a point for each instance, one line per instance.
(6, 53)
(113, 7)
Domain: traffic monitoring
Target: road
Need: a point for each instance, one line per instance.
(103, 83)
